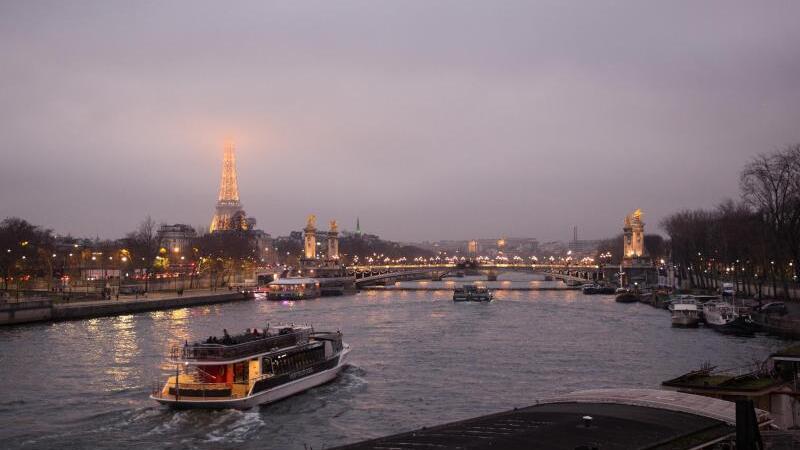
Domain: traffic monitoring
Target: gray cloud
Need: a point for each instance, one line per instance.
(427, 119)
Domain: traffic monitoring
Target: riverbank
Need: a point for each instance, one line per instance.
(45, 310)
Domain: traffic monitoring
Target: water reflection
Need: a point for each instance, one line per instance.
(124, 349)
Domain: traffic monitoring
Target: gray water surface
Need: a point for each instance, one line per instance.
(418, 359)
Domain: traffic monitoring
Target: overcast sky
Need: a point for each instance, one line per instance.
(429, 120)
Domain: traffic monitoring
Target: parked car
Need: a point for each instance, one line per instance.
(778, 308)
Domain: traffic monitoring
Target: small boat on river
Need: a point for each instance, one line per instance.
(472, 293)
(685, 313)
(252, 368)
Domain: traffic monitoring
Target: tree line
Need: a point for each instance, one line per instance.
(29, 253)
(753, 241)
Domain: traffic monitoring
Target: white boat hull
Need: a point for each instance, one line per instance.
(266, 396)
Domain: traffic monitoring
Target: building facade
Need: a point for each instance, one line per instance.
(176, 238)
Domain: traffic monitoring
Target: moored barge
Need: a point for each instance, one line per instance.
(253, 368)
(685, 313)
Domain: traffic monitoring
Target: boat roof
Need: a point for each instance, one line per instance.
(684, 307)
(620, 418)
(294, 281)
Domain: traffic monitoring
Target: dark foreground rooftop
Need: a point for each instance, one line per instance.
(620, 419)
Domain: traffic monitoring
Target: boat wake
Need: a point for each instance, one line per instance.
(229, 425)
(352, 379)
(235, 426)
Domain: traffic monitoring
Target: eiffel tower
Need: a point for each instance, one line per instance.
(229, 214)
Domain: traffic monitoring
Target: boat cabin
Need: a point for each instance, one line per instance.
(293, 289)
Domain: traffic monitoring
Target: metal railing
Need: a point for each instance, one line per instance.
(220, 352)
(198, 390)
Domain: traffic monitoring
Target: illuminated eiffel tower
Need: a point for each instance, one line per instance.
(229, 214)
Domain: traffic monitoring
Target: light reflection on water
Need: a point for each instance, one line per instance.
(418, 359)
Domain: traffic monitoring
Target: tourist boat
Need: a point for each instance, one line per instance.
(727, 318)
(685, 313)
(627, 296)
(472, 293)
(253, 368)
(293, 289)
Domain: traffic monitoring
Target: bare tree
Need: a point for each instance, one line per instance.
(769, 184)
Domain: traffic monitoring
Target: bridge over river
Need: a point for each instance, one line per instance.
(368, 275)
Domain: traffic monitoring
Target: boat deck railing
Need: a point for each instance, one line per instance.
(199, 390)
(221, 352)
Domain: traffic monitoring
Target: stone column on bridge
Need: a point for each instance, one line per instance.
(472, 248)
(634, 235)
(310, 249)
(333, 242)
(638, 268)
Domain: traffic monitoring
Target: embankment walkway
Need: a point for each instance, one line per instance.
(45, 310)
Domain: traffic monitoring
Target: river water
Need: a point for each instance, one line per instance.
(418, 359)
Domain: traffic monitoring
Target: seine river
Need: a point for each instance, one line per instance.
(418, 359)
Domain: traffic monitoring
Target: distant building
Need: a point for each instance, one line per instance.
(176, 238)
(482, 247)
(583, 246)
(263, 242)
(552, 248)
